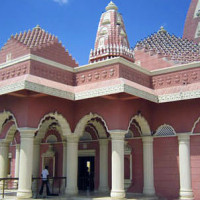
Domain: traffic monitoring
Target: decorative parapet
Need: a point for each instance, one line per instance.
(14, 71)
(110, 52)
(176, 78)
(95, 75)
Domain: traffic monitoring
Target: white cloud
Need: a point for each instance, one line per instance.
(61, 2)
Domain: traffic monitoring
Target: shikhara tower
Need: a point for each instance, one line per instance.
(192, 23)
(111, 40)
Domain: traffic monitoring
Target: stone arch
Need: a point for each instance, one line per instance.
(165, 130)
(9, 132)
(8, 126)
(58, 120)
(80, 127)
(144, 127)
(195, 125)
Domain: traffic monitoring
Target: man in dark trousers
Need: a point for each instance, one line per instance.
(45, 175)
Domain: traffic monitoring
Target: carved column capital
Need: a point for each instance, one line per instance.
(26, 132)
(117, 134)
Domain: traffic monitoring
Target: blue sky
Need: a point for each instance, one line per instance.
(75, 22)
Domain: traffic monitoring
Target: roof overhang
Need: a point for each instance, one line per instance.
(93, 90)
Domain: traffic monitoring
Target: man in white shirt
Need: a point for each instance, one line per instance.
(45, 175)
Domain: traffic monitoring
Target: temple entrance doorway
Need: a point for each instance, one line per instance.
(86, 173)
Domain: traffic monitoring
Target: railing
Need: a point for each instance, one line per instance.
(56, 184)
(8, 183)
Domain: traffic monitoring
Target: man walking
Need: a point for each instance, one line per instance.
(45, 175)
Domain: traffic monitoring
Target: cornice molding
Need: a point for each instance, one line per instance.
(118, 86)
(140, 93)
(175, 68)
(15, 61)
(50, 62)
(100, 92)
(179, 96)
(111, 61)
(36, 87)
(12, 87)
(36, 58)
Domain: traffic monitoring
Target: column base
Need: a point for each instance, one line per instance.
(71, 191)
(187, 195)
(119, 194)
(149, 191)
(24, 194)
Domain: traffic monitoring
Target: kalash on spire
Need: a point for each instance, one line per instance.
(111, 40)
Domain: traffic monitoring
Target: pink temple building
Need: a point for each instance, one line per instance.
(130, 118)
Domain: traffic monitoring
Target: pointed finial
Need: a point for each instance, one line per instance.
(162, 29)
(111, 6)
(37, 27)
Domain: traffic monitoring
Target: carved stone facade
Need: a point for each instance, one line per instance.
(132, 121)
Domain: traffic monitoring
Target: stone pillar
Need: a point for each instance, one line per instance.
(103, 182)
(4, 148)
(148, 188)
(26, 163)
(72, 164)
(17, 156)
(117, 191)
(36, 164)
(184, 167)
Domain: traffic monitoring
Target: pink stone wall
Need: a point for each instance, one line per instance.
(49, 72)
(16, 49)
(166, 167)
(195, 165)
(116, 113)
(29, 111)
(135, 76)
(57, 53)
(137, 163)
(180, 115)
(151, 62)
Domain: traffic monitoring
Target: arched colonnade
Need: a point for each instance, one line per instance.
(28, 140)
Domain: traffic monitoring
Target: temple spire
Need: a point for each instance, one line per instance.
(111, 6)
(192, 22)
(111, 39)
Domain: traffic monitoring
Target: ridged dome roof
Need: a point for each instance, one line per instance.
(35, 37)
(174, 48)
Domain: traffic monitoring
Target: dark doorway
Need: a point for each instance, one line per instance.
(86, 173)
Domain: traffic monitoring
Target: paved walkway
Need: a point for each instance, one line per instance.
(11, 195)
